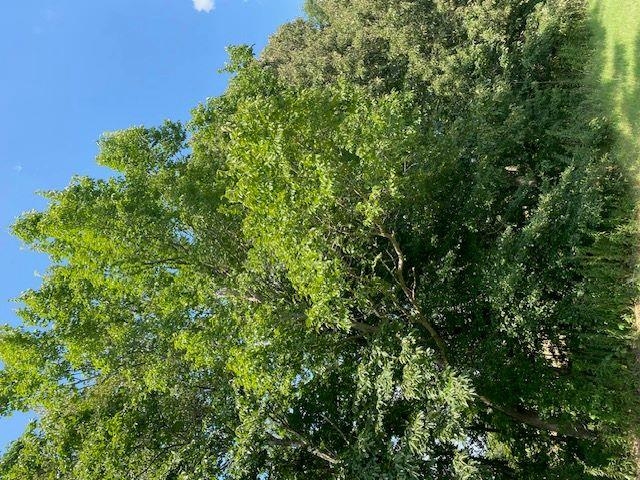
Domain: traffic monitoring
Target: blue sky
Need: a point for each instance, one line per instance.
(73, 69)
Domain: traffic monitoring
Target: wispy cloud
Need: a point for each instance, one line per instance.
(17, 168)
(204, 5)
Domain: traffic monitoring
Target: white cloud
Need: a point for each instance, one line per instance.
(17, 168)
(204, 5)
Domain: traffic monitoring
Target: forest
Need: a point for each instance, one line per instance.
(400, 245)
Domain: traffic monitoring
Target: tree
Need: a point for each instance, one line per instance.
(343, 277)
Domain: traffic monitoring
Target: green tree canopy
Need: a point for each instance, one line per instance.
(394, 248)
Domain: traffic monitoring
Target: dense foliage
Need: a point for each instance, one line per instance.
(395, 248)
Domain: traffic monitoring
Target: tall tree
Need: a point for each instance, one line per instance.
(392, 251)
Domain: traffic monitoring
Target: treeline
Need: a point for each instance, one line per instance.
(397, 247)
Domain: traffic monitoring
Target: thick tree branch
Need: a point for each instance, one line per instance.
(533, 419)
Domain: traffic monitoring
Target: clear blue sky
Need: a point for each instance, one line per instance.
(73, 69)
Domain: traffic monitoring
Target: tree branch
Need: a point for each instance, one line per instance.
(363, 327)
(304, 444)
(533, 419)
(336, 428)
(300, 441)
(410, 293)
